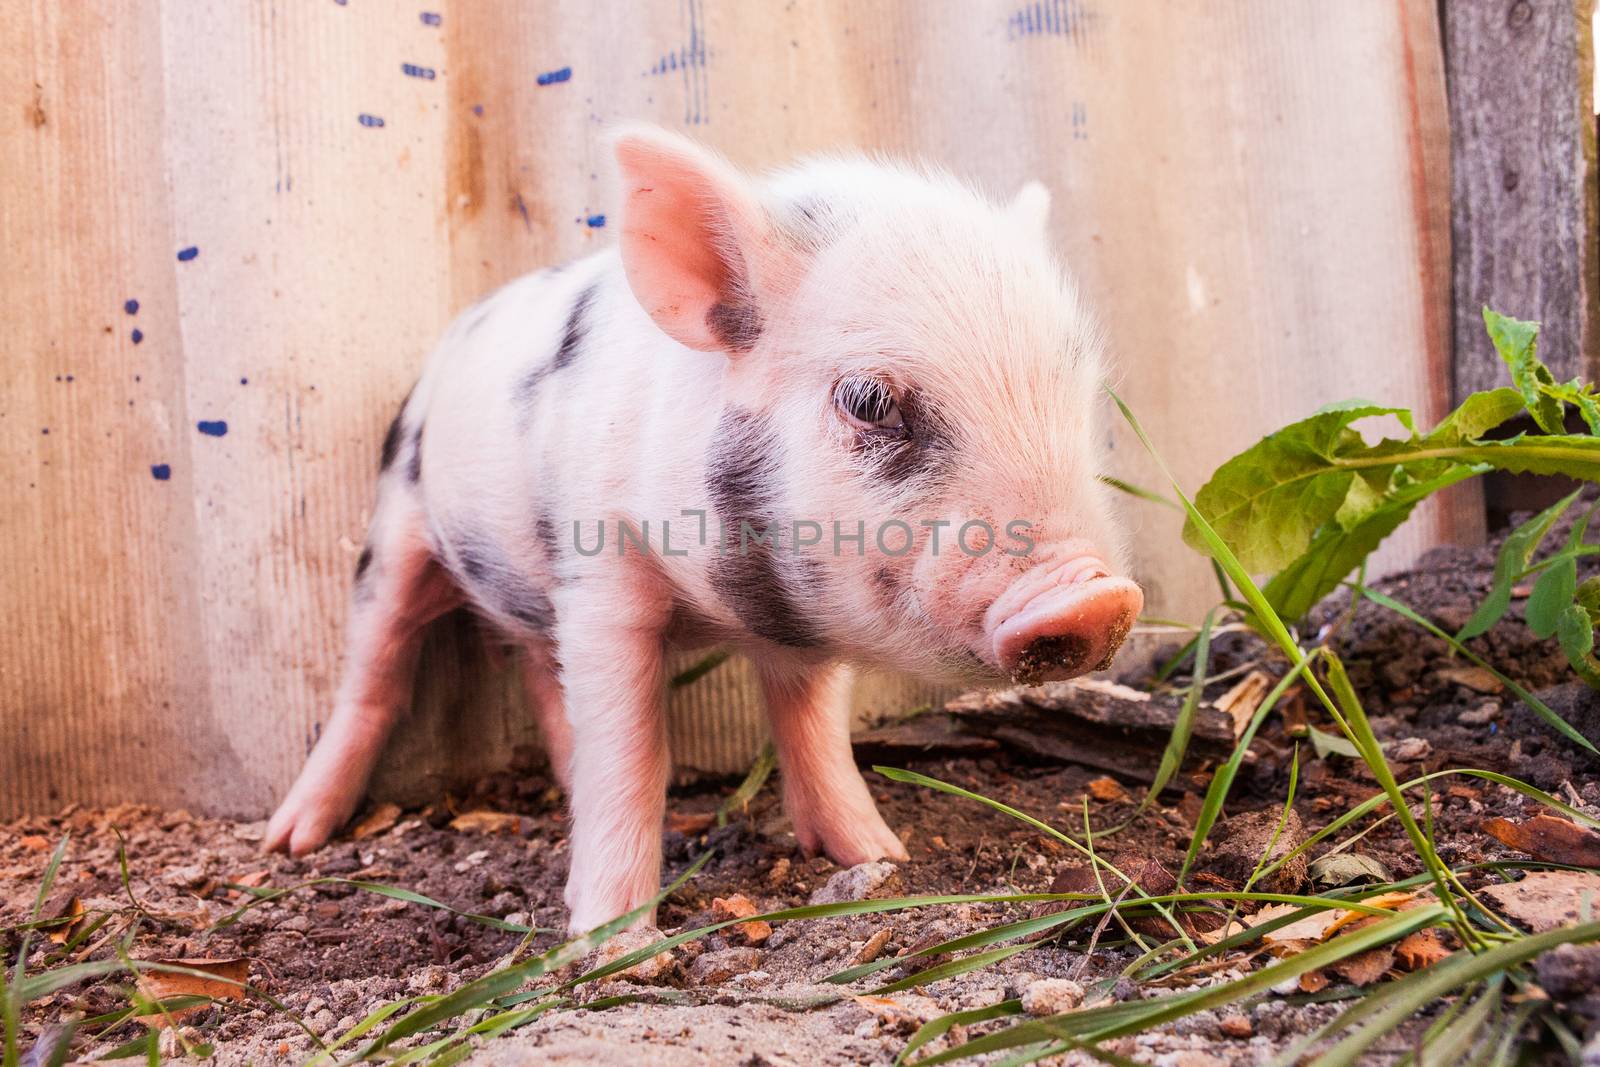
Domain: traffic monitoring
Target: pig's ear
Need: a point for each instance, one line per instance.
(1030, 208)
(693, 239)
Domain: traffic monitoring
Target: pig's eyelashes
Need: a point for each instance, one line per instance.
(869, 404)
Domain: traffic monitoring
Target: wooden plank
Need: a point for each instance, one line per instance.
(1521, 76)
(1247, 222)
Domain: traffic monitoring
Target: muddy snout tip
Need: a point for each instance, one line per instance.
(1068, 629)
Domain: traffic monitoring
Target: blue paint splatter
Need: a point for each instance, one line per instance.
(595, 221)
(1057, 18)
(477, 109)
(244, 381)
(45, 430)
(137, 336)
(418, 72)
(215, 428)
(131, 307)
(160, 471)
(369, 120)
(551, 77)
(187, 254)
(430, 18)
(522, 206)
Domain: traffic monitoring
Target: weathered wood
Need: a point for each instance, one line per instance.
(1244, 190)
(1521, 88)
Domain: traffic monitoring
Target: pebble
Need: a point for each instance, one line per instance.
(1481, 715)
(1051, 996)
(856, 883)
(714, 968)
(1236, 1025)
(1410, 749)
(295, 923)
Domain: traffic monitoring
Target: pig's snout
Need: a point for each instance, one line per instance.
(1062, 620)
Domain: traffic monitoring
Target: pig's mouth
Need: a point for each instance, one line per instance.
(1067, 621)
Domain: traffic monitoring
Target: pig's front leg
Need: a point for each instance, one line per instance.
(612, 677)
(822, 789)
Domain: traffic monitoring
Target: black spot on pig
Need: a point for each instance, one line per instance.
(572, 336)
(488, 575)
(812, 223)
(363, 562)
(750, 574)
(391, 446)
(736, 324)
(414, 468)
(924, 445)
(544, 528)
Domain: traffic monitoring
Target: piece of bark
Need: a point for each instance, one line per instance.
(1548, 838)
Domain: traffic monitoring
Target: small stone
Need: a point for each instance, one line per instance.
(503, 904)
(1051, 996)
(1482, 715)
(1236, 1025)
(1410, 749)
(738, 906)
(861, 882)
(326, 910)
(779, 873)
(322, 1022)
(872, 949)
(714, 968)
(519, 918)
(298, 924)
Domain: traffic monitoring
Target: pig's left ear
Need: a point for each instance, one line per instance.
(695, 241)
(1030, 208)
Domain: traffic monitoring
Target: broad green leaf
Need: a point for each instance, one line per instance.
(1339, 549)
(1519, 547)
(1476, 416)
(1517, 341)
(1587, 597)
(1557, 587)
(1269, 500)
(1576, 631)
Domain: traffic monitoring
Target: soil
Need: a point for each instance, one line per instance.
(330, 953)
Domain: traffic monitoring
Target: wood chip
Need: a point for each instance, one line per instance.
(873, 948)
(376, 821)
(1548, 838)
(1545, 900)
(163, 985)
(1367, 967)
(487, 822)
(1476, 679)
(1240, 702)
(690, 823)
(71, 910)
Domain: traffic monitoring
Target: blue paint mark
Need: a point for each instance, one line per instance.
(595, 221)
(477, 109)
(137, 336)
(430, 18)
(418, 72)
(45, 430)
(1055, 18)
(212, 429)
(131, 307)
(244, 381)
(369, 120)
(522, 206)
(551, 77)
(160, 471)
(1494, 728)
(187, 254)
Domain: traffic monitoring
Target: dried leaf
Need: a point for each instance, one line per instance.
(1313, 982)
(1346, 868)
(379, 819)
(1211, 937)
(72, 911)
(690, 823)
(1321, 925)
(1107, 788)
(1545, 900)
(1367, 967)
(487, 822)
(164, 985)
(1477, 679)
(739, 906)
(1424, 948)
(1548, 838)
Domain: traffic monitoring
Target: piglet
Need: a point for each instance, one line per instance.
(842, 415)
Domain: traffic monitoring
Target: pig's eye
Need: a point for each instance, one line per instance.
(868, 404)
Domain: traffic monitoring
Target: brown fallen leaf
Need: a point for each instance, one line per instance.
(1545, 900)
(1313, 982)
(1476, 679)
(34, 842)
(1424, 948)
(1240, 702)
(226, 983)
(1367, 967)
(1107, 788)
(690, 823)
(1548, 838)
(381, 818)
(483, 821)
(739, 906)
(1321, 925)
(873, 947)
(71, 912)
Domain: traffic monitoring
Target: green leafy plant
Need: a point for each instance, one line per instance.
(1310, 502)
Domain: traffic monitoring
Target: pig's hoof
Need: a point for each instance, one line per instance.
(298, 827)
(650, 970)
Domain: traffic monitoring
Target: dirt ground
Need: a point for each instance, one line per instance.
(331, 953)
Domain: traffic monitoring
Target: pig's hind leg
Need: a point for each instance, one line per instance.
(400, 588)
(822, 790)
(542, 684)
